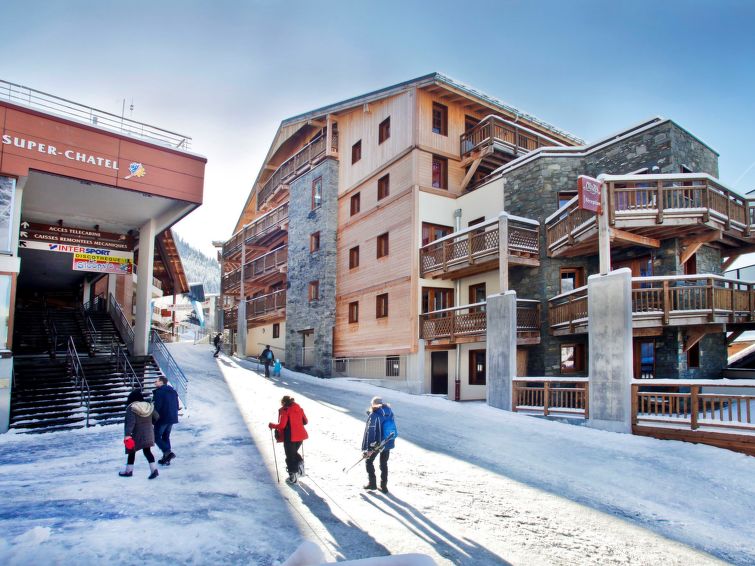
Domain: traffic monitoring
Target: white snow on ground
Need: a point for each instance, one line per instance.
(469, 485)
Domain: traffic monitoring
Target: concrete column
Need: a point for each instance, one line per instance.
(503, 251)
(147, 235)
(86, 291)
(111, 282)
(610, 342)
(241, 329)
(6, 377)
(418, 387)
(501, 348)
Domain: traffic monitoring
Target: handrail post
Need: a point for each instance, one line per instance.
(586, 390)
(635, 392)
(694, 391)
(610, 201)
(659, 204)
(711, 298)
(666, 302)
(546, 397)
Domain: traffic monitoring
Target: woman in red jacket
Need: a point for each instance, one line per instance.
(290, 431)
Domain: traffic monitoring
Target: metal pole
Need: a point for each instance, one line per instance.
(604, 234)
(275, 458)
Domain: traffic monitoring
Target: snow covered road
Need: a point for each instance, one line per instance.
(469, 485)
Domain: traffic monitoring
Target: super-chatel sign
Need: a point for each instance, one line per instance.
(588, 190)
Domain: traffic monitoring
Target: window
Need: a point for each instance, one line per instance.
(477, 295)
(382, 245)
(564, 197)
(693, 356)
(571, 278)
(437, 298)
(431, 232)
(316, 192)
(314, 242)
(470, 122)
(440, 119)
(392, 366)
(690, 266)
(644, 358)
(477, 367)
(355, 204)
(276, 330)
(314, 290)
(384, 187)
(384, 130)
(356, 152)
(440, 172)
(354, 312)
(381, 306)
(572, 358)
(354, 257)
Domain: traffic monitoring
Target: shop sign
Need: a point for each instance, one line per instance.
(588, 190)
(60, 153)
(103, 253)
(54, 233)
(99, 264)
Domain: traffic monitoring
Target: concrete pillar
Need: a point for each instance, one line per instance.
(241, 329)
(144, 288)
(610, 343)
(112, 279)
(418, 387)
(501, 348)
(86, 291)
(6, 378)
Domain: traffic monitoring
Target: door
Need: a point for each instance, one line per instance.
(439, 373)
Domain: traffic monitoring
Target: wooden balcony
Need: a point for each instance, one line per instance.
(493, 132)
(266, 307)
(565, 397)
(468, 323)
(258, 233)
(294, 167)
(645, 209)
(681, 300)
(476, 249)
(258, 272)
(230, 317)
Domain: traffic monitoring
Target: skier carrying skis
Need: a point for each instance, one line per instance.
(379, 421)
(291, 432)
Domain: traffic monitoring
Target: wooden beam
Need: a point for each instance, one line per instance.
(691, 245)
(695, 333)
(470, 173)
(734, 255)
(734, 335)
(653, 331)
(630, 238)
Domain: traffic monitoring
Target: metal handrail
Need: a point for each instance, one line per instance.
(51, 104)
(121, 322)
(89, 328)
(77, 372)
(168, 366)
(130, 378)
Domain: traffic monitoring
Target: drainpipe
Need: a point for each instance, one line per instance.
(457, 300)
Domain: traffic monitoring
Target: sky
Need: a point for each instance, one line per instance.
(226, 73)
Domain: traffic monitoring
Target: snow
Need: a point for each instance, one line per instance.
(469, 484)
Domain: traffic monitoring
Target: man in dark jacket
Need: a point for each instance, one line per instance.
(217, 341)
(267, 358)
(166, 404)
(377, 414)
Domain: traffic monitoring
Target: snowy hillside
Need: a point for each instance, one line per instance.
(198, 267)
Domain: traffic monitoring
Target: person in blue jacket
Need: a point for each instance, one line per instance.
(377, 414)
(166, 398)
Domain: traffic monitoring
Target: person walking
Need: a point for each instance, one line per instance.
(291, 432)
(377, 415)
(267, 357)
(218, 341)
(165, 400)
(138, 433)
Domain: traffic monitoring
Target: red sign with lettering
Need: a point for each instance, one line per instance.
(589, 193)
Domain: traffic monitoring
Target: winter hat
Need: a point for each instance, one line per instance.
(376, 401)
(135, 395)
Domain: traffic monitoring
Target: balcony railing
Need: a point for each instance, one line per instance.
(470, 321)
(260, 227)
(265, 304)
(230, 317)
(478, 244)
(552, 396)
(263, 265)
(647, 200)
(662, 301)
(494, 129)
(297, 165)
(51, 104)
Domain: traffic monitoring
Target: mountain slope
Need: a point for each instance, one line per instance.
(198, 267)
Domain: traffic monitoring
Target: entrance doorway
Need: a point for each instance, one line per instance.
(439, 373)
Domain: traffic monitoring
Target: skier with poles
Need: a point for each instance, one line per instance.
(291, 432)
(379, 437)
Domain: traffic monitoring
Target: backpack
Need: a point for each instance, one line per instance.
(389, 427)
(269, 355)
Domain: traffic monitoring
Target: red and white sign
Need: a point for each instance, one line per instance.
(589, 190)
(99, 264)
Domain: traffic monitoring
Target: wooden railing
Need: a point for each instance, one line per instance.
(230, 317)
(479, 243)
(494, 129)
(296, 165)
(669, 300)
(552, 396)
(270, 262)
(470, 320)
(259, 227)
(259, 306)
(694, 196)
(724, 405)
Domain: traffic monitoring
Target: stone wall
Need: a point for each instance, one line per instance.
(302, 315)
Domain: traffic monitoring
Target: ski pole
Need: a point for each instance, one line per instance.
(272, 438)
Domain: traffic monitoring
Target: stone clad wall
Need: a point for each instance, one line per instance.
(303, 267)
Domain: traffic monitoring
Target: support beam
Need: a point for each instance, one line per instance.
(690, 246)
(470, 173)
(734, 255)
(733, 336)
(147, 234)
(630, 238)
(694, 334)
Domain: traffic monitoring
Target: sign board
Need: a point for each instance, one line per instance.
(103, 253)
(588, 190)
(100, 264)
(54, 233)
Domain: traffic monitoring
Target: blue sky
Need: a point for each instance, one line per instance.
(227, 72)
